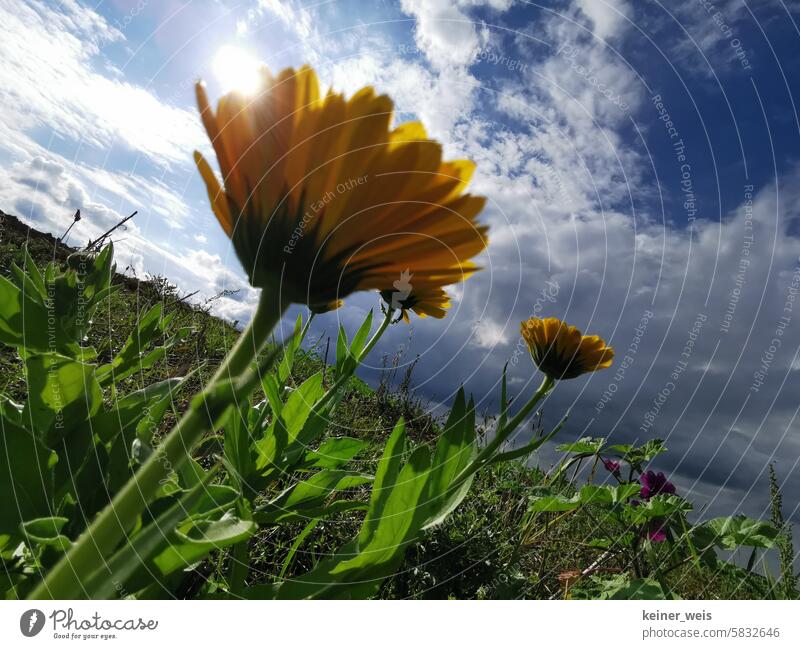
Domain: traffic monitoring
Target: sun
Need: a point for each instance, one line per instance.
(236, 69)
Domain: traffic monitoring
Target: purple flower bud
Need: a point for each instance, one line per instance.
(612, 466)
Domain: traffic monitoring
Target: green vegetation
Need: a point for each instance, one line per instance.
(311, 483)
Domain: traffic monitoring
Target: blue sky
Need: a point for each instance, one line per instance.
(678, 246)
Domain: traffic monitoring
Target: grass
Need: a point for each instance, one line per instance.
(477, 553)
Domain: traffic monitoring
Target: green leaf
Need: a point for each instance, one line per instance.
(214, 499)
(501, 423)
(201, 538)
(400, 518)
(342, 350)
(237, 446)
(347, 356)
(112, 578)
(334, 452)
(62, 393)
(645, 453)
(47, 531)
(608, 495)
(584, 446)
(285, 428)
(34, 274)
(210, 534)
(360, 339)
(392, 522)
(657, 507)
(309, 494)
(136, 354)
(269, 383)
(26, 477)
(28, 285)
(732, 532)
(455, 451)
(21, 319)
(385, 479)
(137, 413)
(554, 503)
(618, 587)
(289, 350)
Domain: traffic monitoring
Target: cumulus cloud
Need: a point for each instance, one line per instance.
(607, 16)
(444, 32)
(48, 80)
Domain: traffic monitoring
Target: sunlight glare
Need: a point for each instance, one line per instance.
(236, 69)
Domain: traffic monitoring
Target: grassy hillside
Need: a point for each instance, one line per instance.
(477, 553)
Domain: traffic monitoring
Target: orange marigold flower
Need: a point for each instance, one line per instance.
(424, 301)
(321, 197)
(561, 351)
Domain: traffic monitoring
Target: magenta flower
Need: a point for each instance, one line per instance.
(612, 466)
(654, 484)
(656, 533)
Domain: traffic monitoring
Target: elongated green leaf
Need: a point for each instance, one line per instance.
(342, 351)
(26, 477)
(385, 479)
(289, 350)
(237, 446)
(200, 539)
(113, 576)
(285, 428)
(455, 451)
(309, 494)
(35, 275)
(334, 452)
(357, 570)
(146, 406)
(360, 339)
(400, 519)
(136, 353)
(501, 422)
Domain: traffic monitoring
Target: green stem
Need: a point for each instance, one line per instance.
(488, 453)
(112, 524)
(510, 427)
(341, 381)
(376, 336)
(240, 566)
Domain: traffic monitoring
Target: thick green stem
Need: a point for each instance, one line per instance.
(113, 523)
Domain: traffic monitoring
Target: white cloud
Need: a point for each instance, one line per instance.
(48, 81)
(444, 32)
(607, 16)
(489, 334)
